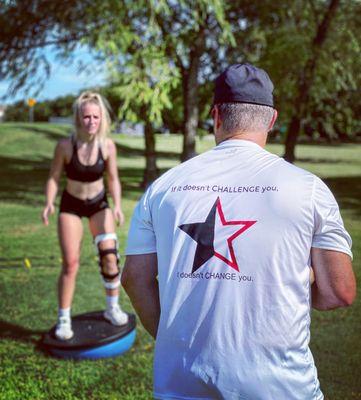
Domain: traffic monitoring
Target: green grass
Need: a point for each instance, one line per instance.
(28, 295)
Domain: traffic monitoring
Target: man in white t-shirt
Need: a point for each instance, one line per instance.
(219, 259)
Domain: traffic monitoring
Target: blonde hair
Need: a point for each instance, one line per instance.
(105, 122)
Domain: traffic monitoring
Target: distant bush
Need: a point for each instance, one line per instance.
(59, 107)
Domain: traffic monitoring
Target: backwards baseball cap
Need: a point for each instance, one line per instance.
(244, 83)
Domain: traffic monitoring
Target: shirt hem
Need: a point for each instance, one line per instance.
(136, 253)
(169, 396)
(159, 396)
(334, 248)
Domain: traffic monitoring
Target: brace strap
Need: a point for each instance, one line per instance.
(105, 252)
(110, 276)
(105, 236)
(111, 285)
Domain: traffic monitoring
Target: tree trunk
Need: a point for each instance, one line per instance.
(190, 97)
(305, 82)
(151, 171)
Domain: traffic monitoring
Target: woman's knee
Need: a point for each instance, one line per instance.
(109, 264)
(70, 266)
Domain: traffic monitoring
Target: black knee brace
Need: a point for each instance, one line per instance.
(108, 279)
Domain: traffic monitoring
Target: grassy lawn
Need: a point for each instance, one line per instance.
(28, 293)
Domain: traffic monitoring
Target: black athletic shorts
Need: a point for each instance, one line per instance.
(83, 208)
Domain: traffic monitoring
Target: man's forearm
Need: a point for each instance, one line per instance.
(145, 300)
(139, 279)
(335, 284)
(323, 303)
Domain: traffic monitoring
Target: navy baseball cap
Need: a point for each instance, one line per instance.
(244, 83)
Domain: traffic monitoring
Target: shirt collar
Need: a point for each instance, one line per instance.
(237, 143)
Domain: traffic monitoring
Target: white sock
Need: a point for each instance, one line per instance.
(64, 312)
(112, 301)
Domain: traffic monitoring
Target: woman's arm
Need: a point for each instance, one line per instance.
(114, 186)
(52, 183)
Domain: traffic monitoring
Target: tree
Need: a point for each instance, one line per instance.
(96, 24)
(163, 49)
(30, 27)
(306, 79)
(160, 42)
(143, 87)
(43, 110)
(182, 32)
(333, 103)
(278, 36)
(195, 36)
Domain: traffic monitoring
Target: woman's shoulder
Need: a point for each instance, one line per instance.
(65, 146)
(66, 142)
(109, 148)
(110, 144)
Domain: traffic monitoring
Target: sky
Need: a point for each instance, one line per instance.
(64, 79)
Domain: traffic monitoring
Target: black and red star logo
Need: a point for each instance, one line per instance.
(214, 235)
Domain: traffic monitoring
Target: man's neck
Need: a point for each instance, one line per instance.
(255, 137)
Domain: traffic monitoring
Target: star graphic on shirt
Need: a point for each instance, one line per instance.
(204, 234)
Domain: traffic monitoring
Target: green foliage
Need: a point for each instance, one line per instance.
(334, 107)
(148, 58)
(43, 110)
(18, 111)
(287, 30)
(149, 47)
(147, 83)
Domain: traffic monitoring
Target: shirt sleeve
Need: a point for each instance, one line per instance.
(329, 231)
(141, 237)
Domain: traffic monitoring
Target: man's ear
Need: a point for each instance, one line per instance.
(273, 120)
(216, 117)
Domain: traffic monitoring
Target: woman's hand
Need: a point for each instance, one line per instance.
(118, 215)
(48, 210)
(312, 275)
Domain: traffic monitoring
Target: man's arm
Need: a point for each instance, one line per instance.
(335, 284)
(139, 279)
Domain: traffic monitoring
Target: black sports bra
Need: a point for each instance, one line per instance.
(77, 171)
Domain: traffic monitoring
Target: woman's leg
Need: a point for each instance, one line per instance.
(103, 223)
(70, 231)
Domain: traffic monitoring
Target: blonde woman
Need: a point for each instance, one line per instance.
(86, 156)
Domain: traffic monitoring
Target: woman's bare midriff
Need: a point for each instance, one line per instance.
(84, 190)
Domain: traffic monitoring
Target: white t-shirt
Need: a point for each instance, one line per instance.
(233, 230)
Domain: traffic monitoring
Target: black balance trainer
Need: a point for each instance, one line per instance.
(94, 337)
